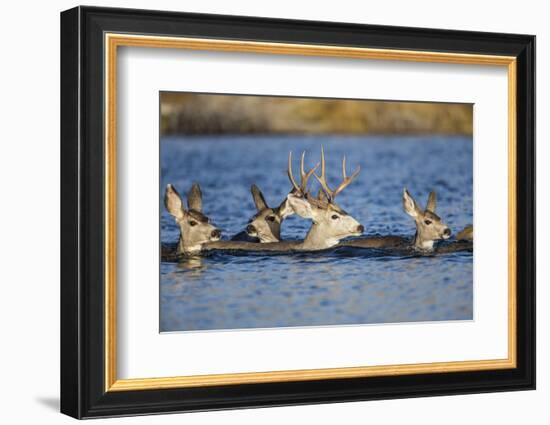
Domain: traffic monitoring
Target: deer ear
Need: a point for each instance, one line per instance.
(194, 198)
(285, 209)
(409, 204)
(258, 197)
(172, 201)
(430, 206)
(300, 206)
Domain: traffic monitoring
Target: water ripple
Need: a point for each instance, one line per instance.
(339, 286)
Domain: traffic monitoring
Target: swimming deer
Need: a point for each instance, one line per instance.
(330, 223)
(429, 228)
(266, 224)
(466, 234)
(195, 227)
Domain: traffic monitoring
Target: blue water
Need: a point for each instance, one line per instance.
(224, 291)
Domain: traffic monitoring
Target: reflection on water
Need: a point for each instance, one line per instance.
(195, 264)
(341, 286)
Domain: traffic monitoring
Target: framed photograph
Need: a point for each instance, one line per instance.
(261, 212)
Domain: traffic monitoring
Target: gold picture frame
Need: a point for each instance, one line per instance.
(91, 40)
(114, 41)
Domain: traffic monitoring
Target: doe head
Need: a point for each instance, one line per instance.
(266, 223)
(429, 226)
(195, 227)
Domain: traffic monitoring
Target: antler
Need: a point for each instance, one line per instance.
(289, 172)
(323, 178)
(304, 177)
(347, 180)
(331, 194)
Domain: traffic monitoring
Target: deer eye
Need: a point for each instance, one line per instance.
(193, 223)
(428, 222)
(270, 218)
(335, 217)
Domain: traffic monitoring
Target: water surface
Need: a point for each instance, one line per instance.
(343, 286)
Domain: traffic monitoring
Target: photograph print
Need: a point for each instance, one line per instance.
(281, 212)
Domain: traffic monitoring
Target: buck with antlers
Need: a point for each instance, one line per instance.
(330, 223)
(195, 227)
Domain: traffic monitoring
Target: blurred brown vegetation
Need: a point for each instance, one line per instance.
(188, 113)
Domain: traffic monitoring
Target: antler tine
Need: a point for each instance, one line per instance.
(289, 172)
(305, 176)
(323, 164)
(323, 178)
(347, 180)
(302, 170)
(344, 167)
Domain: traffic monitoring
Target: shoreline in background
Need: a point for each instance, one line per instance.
(211, 114)
(228, 137)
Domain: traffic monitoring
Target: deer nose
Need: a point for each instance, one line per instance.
(360, 228)
(216, 233)
(250, 229)
(447, 232)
